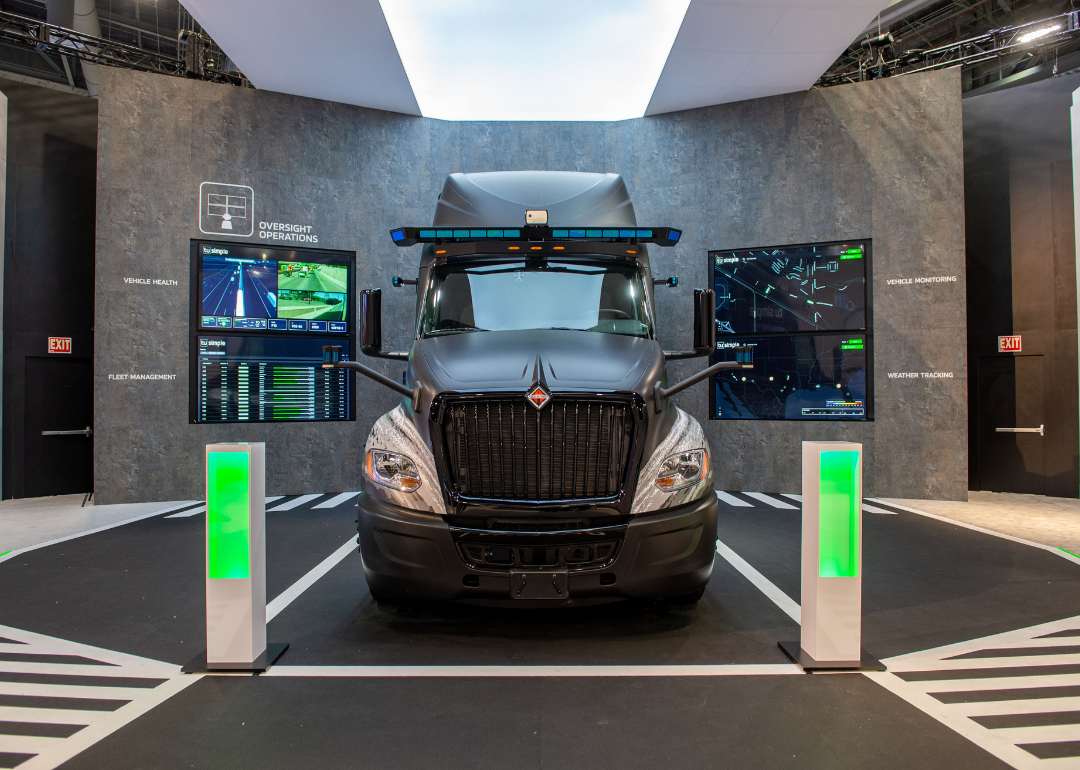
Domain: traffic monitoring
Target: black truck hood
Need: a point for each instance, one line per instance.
(572, 360)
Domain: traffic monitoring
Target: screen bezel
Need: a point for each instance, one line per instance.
(868, 331)
(195, 330)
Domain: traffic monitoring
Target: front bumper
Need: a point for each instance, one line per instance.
(410, 555)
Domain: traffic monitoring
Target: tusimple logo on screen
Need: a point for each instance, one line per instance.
(226, 209)
(59, 344)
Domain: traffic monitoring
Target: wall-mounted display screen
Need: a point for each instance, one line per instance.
(797, 377)
(269, 379)
(260, 317)
(815, 287)
(250, 287)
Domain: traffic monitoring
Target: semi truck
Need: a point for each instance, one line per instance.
(536, 457)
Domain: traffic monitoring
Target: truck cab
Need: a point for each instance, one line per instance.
(536, 457)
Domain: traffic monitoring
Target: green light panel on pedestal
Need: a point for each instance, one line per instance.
(228, 515)
(838, 528)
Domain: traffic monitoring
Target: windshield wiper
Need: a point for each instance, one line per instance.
(454, 330)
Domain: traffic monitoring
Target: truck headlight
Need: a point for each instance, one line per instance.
(682, 470)
(392, 470)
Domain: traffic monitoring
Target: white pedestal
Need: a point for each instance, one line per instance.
(235, 550)
(832, 520)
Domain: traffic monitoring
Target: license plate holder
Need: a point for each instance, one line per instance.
(534, 584)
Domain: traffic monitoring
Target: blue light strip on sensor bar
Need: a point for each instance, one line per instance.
(410, 236)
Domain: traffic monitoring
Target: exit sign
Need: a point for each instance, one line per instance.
(59, 344)
(1010, 344)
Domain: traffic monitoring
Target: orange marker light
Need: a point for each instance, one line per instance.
(441, 251)
(514, 248)
(558, 248)
(535, 248)
(631, 251)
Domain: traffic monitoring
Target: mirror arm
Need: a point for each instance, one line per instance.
(661, 394)
(382, 379)
(394, 355)
(675, 355)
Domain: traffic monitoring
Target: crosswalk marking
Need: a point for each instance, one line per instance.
(185, 514)
(202, 509)
(337, 500)
(294, 503)
(102, 708)
(875, 509)
(976, 686)
(732, 500)
(774, 502)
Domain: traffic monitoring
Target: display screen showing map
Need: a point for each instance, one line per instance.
(248, 287)
(818, 287)
(796, 377)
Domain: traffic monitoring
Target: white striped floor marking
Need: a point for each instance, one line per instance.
(294, 503)
(750, 669)
(796, 498)
(186, 514)
(763, 584)
(289, 595)
(162, 680)
(1039, 650)
(1006, 743)
(337, 500)
(20, 551)
(875, 509)
(202, 509)
(774, 502)
(732, 500)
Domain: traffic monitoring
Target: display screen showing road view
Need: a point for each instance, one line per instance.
(245, 287)
(236, 287)
(798, 376)
(819, 287)
(315, 305)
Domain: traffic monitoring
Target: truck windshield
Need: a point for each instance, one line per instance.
(592, 297)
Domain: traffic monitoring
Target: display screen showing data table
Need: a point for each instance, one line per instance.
(253, 379)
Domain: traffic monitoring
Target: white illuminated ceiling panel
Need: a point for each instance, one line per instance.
(533, 59)
(782, 46)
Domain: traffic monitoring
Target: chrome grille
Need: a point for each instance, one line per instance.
(505, 449)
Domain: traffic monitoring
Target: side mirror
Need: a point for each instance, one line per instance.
(371, 322)
(704, 323)
(704, 327)
(371, 326)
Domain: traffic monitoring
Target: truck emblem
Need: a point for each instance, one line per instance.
(537, 396)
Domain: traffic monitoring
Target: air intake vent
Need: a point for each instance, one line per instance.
(502, 448)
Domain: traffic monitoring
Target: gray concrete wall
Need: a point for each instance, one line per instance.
(879, 160)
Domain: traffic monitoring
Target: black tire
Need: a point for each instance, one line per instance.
(685, 600)
(379, 598)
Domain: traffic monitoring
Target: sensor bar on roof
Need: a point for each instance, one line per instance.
(661, 236)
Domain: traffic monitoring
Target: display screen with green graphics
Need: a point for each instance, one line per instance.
(838, 522)
(228, 515)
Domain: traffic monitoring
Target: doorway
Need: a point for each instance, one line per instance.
(59, 413)
(1012, 424)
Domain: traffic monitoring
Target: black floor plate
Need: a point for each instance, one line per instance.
(798, 656)
(269, 657)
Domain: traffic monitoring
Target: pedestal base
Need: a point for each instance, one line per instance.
(199, 665)
(798, 656)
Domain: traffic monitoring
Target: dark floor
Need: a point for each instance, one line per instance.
(138, 589)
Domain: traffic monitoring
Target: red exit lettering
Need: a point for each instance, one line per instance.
(59, 344)
(1010, 344)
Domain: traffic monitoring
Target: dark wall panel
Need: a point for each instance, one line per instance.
(879, 160)
(1021, 253)
(49, 250)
